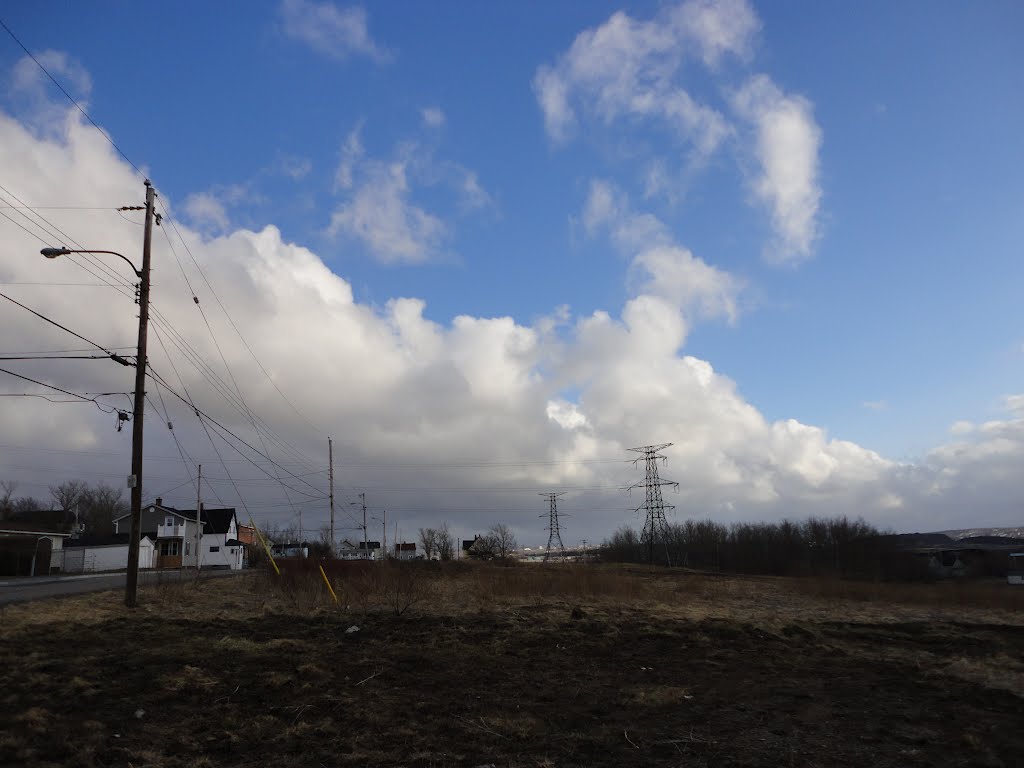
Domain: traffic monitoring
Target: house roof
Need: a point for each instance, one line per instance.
(405, 547)
(216, 520)
(55, 520)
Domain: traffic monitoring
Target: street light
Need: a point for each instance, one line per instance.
(135, 479)
(53, 253)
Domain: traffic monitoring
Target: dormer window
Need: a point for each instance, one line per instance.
(170, 521)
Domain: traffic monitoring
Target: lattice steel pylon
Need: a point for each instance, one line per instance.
(554, 528)
(654, 505)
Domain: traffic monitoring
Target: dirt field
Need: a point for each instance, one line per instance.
(527, 666)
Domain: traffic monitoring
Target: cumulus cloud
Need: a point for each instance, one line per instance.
(787, 144)
(330, 30)
(462, 419)
(629, 68)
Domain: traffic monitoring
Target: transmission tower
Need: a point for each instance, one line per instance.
(655, 524)
(554, 530)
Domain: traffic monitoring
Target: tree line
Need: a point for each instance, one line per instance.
(816, 545)
(94, 507)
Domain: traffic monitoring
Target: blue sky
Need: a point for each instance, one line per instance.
(888, 314)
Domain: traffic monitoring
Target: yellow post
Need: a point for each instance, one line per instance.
(263, 541)
(328, 583)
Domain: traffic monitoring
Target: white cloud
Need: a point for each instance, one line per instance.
(381, 215)
(659, 266)
(379, 209)
(433, 117)
(330, 30)
(351, 153)
(1014, 403)
(473, 194)
(206, 212)
(295, 167)
(718, 27)
(28, 77)
(875, 405)
(417, 405)
(627, 68)
(787, 141)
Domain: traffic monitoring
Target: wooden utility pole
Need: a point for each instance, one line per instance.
(135, 480)
(366, 546)
(199, 519)
(330, 475)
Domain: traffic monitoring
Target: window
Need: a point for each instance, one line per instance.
(187, 548)
(169, 521)
(232, 550)
(169, 547)
(215, 549)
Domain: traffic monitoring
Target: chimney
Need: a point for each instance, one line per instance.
(159, 501)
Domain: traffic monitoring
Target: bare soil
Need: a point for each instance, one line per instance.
(663, 671)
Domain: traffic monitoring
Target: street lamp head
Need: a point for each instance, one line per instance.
(53, 253)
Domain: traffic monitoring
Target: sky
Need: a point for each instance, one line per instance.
(488, 248)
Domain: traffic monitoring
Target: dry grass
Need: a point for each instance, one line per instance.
(474, 664)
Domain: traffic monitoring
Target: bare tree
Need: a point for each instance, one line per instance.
(7, 489)
(428, 540)
(68, 494)
(445, 542)
(484, 548)
(99, 505)
(504, 541)
(321, 548)
(27, 504)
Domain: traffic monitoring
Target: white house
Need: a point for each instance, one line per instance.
(175, 538)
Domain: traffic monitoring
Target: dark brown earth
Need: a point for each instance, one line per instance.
(517, 685)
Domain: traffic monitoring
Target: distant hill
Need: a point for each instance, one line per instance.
(970, 533)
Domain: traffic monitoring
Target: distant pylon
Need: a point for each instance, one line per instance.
(655, 524)
(554, 529)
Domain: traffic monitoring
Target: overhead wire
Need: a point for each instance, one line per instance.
(111, 355)
(70, 97)
(103, 407)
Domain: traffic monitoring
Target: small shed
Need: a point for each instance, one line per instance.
(1016, 573)
(95, 554)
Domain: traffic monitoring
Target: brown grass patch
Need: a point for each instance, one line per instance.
(513, 666)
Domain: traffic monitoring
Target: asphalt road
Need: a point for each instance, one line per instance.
(26, 589)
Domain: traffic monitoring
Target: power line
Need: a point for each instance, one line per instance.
(221, 427)
(54, 357)
(107, 409)
(63, 207)
(111, 355)
(202, 274)
(70, 97)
